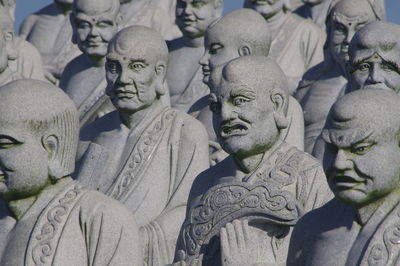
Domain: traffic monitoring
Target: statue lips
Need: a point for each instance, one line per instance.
(206, 70)
(2, 176)
(346, 182)
(231, 129)
(264, 2)
(126, 93)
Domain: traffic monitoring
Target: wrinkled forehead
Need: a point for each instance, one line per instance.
(228, 89)
(364, 49)
(128, 53)
(96, 8)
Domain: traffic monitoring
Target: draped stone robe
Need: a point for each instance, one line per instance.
(297, 48)
(149, 168)
(69, 225)
(333, 235)
(287, 184)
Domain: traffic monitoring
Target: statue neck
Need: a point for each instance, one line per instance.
(96, 61)
(275, 23)
(131, 120)
(365, 213)
(196, 42)
(19, 207)
(251, 163)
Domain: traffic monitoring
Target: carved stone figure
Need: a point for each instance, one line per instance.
(147, 13)
(144, 154)
(94, 22)
(10, 5)
(50, 31)
(297, 43)
(361, 225)
(318, 10)
(346, 17)
(264, 180)
(375, 57)
(52, 219)
(240, 33)
(184, 76)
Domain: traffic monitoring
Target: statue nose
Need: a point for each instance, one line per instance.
(341, 161)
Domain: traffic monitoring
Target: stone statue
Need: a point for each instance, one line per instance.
(148, 13)
(318, 10)
(361, 225)
(144, 154)
(264, 180)
(52, 219)
(240, 33)
(184, 76)
(94, 22)
(10, 5)
(346, 17)
(50, 31)
(375, 57)
(297, 44)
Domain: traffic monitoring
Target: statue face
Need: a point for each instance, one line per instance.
(342, 30)
(218, 51)
(23, 162)
(375, 72)
(194, 16)
(243, 119)
(267, 8)
(94, 30)
(132, 81)
(3, 55)
(365, 165)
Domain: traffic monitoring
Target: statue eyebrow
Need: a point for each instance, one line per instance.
(393, 64)
(246, 92)
(357, 135)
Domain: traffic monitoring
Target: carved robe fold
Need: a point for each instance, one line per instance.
(333, 235)
(151, 172)
(297, 48)
(69, 225)
(285, 186)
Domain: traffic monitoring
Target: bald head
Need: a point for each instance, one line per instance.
(369, 111)
(44, 110)
(242, 27)
(354, 8)
(139, 41)
(95, 7)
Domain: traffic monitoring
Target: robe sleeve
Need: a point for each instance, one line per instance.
(111, 234)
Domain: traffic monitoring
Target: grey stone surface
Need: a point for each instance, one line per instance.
(52, 219)
(345, 18)
(149, 13)
(260, 179)
(50, 31)
(185, 76)
(360, 226)
(240, 33)
(297, 43)
(144, 154)
(94, 22)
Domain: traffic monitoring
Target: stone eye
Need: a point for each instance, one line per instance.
(8, 142)
(362, 148)
(112, 67)
(136, 66)
(363, 67)
(239, 101)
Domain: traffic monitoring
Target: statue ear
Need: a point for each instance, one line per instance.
(160, 69)
(279, 102)
(52, 146)
(244, 50)
(72, 21)
(12, 52)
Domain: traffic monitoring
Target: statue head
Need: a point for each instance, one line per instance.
(362, 157)
(135, 70)
(268, 8)
(7, 44)
(344, 20)
(375, 57)
(249, 105)
(94, 22)
(38, 137)
(194, 16)
(239, 33)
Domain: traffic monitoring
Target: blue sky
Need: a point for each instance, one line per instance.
(25, 7)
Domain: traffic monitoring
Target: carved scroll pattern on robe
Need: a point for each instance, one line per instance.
(388, 252)
(140, 155)
(226, 202)
(49, 227)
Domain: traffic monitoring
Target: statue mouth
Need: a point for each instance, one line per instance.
(2, 177)
(234, 129)
(206, 70)
(263, 2)
(344, 182)
(125, 94)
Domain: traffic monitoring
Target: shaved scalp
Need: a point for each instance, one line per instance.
(371, 109)
(46, 110)
(93, 7)
(353, 8)
(381, 37)
(139, 40)
(245, 27)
